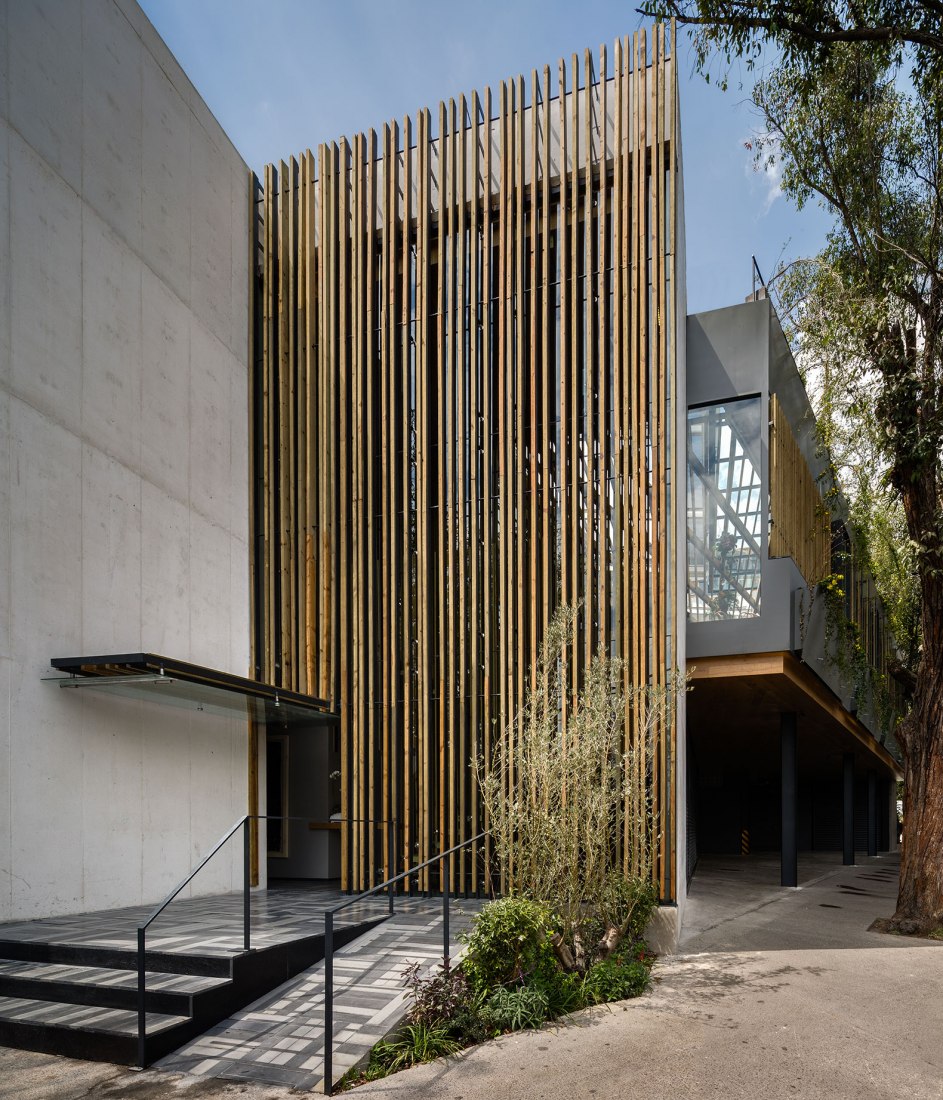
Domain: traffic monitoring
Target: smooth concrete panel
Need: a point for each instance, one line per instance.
(771, 631)
(111, 160)
(210, 642)
(6, 530)
(213, 739)
(46, 299)
(166, 180)
(211, 238)
(4, 59)
(154, 46)
(239, 231)
(110, 555)
(165, 574)
(6, 791)
(165, 799)
(239, 606)
(211, 365)
(46, 802)
(45, 76)
(45, 505)
(165, 388)
(239, 449)
(111, 340)
(6, 273)
(728, 353)
(111, 789)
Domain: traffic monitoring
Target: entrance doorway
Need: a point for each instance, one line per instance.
(303, 785)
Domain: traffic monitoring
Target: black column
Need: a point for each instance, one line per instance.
(789, 852)
(848, 810)
(872, 812)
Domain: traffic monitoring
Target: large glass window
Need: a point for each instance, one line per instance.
(724, 511)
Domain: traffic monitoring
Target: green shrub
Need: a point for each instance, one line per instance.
(440, 997)
(615, 979)
(509, 942)
(517, 1009)
(414, 1043)
(628, 902)
(564, 992)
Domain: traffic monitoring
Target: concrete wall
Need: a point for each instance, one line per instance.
(123, 453)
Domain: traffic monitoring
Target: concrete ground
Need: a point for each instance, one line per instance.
(780, 994)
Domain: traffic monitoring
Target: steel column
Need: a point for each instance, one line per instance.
(789, 851)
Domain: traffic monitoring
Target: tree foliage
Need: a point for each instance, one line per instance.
(805, 31)
(853, 110)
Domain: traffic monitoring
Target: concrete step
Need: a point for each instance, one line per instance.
(79, 1031)
(81, 999)
(106, 987)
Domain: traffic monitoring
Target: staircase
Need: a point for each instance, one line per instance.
(80, 1000)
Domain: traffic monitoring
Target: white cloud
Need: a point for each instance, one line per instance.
(765, 174)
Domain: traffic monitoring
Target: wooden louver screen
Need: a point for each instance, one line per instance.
(800, 527)
(463, 415)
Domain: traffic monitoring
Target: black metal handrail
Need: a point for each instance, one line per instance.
(243, 823)
(329, 914)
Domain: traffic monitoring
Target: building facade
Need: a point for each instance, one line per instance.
(467, 401)
(352, 433)
(123, 456)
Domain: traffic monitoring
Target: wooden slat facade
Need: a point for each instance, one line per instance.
(800, 525)
(465, 399)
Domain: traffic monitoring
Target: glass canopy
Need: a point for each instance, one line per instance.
(195, 687)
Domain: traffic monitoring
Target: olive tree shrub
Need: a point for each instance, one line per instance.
(567, 798)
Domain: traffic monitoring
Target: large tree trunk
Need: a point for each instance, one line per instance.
(920, 894)
(920, 735)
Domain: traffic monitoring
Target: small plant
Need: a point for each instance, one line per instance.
(615, 979)
(510, 942)
(440, 997)
(413, 1044)
(519, 1009)
(564, 992)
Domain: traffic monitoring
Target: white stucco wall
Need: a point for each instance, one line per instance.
(123, 454)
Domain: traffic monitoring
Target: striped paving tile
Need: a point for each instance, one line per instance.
(279, 1039)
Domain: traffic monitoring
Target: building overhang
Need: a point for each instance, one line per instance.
(152, 677)
(745, 693)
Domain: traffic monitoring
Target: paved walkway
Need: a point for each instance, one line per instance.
(279, 1039)
(204, 926)
(784, 994)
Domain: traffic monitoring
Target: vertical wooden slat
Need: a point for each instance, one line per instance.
(488, 532)
(460, 733)
(535, 388)
(518, 586)
(436, 431)
(565, 473)
(601, 524)
(590, 372)
(546, 364)
(475, 657)
(403, 218)
(577, 374)
(448, 794)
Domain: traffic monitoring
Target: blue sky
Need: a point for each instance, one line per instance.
(284, 75)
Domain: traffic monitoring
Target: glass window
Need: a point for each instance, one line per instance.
(724, 511)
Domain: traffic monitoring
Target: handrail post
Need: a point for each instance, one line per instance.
(445, 913)
(142, 1012)
(390, 855)
(246, 871)
(328, 1002)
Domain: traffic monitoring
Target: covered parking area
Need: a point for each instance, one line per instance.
(779, 773)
